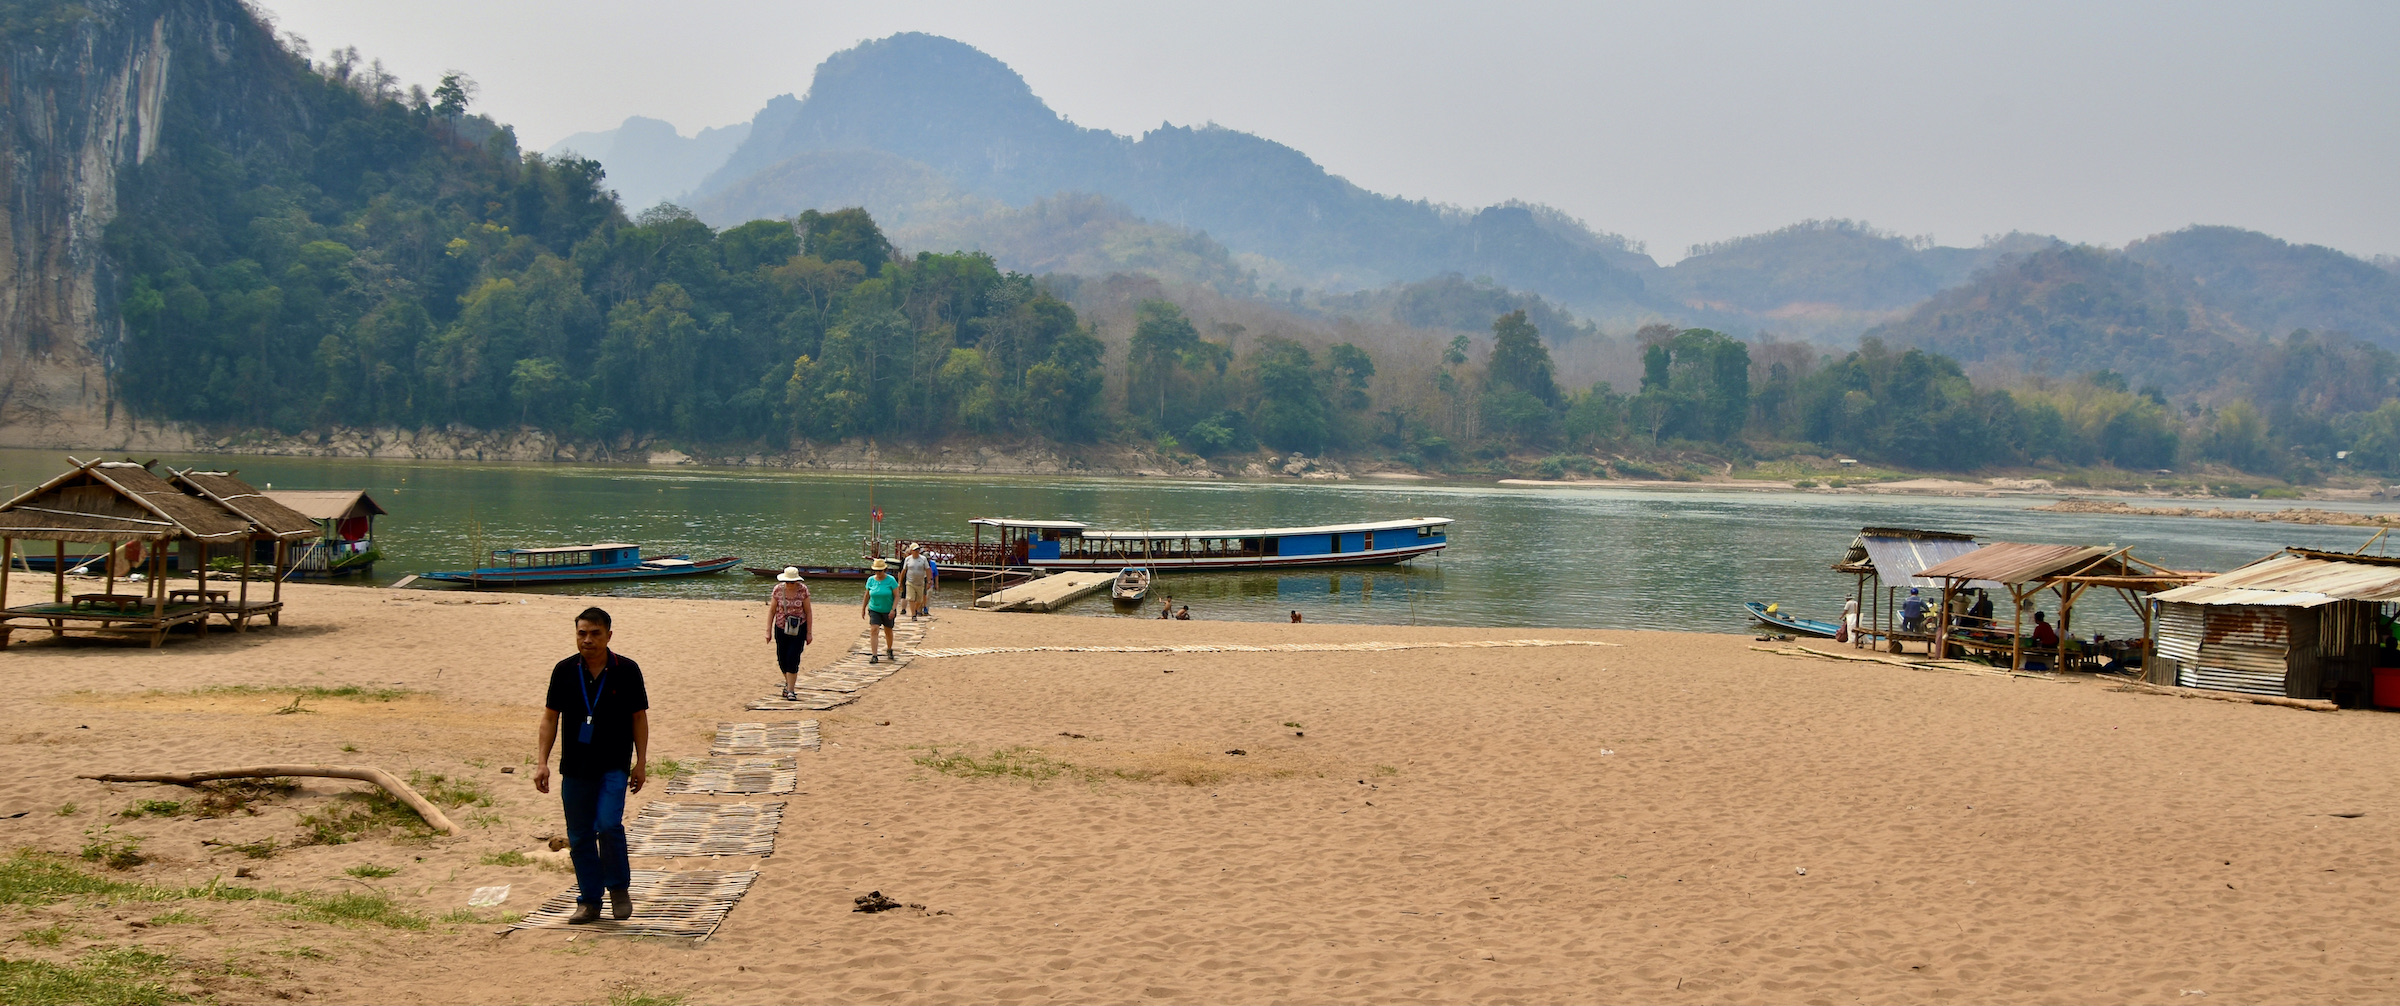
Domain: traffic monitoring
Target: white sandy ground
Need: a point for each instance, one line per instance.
(1457, 825)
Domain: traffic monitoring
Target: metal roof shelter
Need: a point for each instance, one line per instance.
(2025, 569)
(2302, 623)
(1891, 558)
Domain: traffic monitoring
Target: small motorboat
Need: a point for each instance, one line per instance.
(521, 567)
(1133, 584)
(1789, 623)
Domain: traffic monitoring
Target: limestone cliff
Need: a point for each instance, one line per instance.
(83, 100)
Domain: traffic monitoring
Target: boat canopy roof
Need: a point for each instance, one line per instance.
(1275, 532)
(560, 548)
(1039, 525)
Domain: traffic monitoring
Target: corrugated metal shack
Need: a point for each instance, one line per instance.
(2025, 570)
(2301, 623)
(1886, 560)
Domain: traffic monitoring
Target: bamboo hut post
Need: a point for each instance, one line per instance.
(58, 572)
(8, 557)
(1941, 625)
(283, 551)
(158, 582)
(2016, 634)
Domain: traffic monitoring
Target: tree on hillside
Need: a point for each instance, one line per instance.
(846, 236)
(1520, 361)
(1290, 413)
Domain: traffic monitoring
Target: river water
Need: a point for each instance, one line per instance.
(1518, 556)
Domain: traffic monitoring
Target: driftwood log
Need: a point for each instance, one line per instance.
(391, 784)
(2147, 688)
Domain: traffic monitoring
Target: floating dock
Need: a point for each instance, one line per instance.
(1048, 593)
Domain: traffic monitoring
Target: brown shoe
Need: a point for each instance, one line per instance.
(620, 904)
(585, 911)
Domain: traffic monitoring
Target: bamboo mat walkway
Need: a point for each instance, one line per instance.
(1360, 647)
(690, 904)
(788, 737)
(667, 830)
(738, 776)
(838, 683)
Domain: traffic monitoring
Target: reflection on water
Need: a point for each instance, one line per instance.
(1526, 556)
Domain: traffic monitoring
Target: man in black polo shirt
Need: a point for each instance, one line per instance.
(607, 752)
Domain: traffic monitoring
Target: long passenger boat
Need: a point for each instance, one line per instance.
(1014, 543)
(519, 567)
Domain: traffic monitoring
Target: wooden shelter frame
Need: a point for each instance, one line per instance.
(2117, 569)
(118, 508)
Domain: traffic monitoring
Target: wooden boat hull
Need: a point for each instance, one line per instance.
(1132, 585)
(1803, 626)
(1221, 564)
(648, 570)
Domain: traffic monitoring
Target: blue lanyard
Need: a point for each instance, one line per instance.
(591, 706)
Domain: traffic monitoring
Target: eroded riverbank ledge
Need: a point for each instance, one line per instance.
(2287, 515)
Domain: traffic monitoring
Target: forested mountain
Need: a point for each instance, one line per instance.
(648, 161)
(2268, 285)
(973, 122)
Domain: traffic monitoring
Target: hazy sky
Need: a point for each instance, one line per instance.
(1669, 123)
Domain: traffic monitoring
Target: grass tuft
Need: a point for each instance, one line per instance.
(510, 858)
(117, 852)
(153, 808)
(355, 816)
(227, 797)
(31, 878)
(46, 936)
(627, 995)
(370, 871)
(104, 977)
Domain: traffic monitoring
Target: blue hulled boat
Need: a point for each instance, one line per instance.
(520, 567)
(1788, 623)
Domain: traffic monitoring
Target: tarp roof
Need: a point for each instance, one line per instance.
(272, 517)
(327, 504)
(1900, 557)
(2017, 562)
(2297, 578)
(116, 501)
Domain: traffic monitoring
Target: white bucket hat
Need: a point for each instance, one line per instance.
(790, 574)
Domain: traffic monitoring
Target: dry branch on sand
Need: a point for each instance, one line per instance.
(391, 784)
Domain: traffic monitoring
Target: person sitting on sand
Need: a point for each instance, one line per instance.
(606, 753)
(791, 624)
(1183, 613)
(878, 608)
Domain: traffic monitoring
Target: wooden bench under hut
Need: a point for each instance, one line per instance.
(1886, 560)
(273, 525)
(2026, 570)
(113, 504)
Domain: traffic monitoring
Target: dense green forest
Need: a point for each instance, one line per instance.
(399, 261)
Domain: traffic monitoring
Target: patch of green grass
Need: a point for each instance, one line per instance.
(351, 907)
(370, 871)
(666, 769)
(1292, 725)
(51, 935)
(117, 852)
(510, 858)
(262, 849)
(1387, 770)
(627, 995)
(448, 792)
(102, 977)
(153, 808)
(178, 917)
(226, 797)
(32, 878)
(67, 809)
(350, 748)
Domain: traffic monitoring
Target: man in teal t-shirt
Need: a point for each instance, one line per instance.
(876, 608)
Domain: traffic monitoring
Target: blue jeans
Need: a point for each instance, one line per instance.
(596, 833)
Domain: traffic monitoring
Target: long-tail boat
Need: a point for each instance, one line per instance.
(521, 567)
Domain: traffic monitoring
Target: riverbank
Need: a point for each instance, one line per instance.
(2287, 515)
(1672, 818)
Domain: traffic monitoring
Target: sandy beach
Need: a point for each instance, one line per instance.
(1675, 818)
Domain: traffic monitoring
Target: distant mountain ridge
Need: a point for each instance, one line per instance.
(952, 149)
(649, 161)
